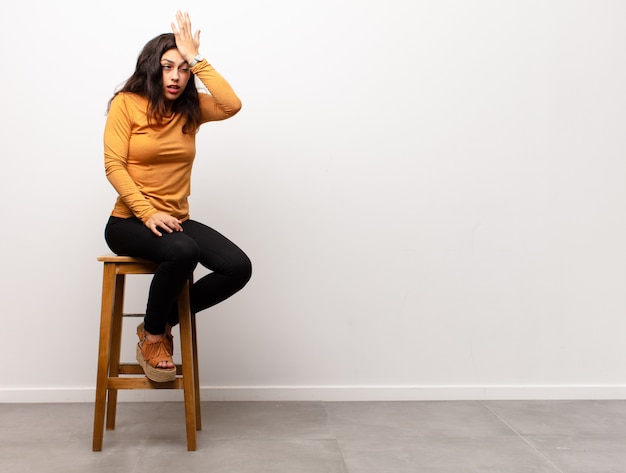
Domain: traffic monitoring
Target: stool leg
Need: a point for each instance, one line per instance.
(186, 342)
(116, 347)
(196, 375)
(108, 291)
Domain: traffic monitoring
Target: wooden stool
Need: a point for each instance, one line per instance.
(109, 367)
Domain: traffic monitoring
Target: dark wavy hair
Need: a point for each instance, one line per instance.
(147, 81)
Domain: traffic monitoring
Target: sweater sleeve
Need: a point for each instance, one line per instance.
(117, 132)
(222, 103)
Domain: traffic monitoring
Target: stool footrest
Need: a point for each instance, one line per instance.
(142, 383)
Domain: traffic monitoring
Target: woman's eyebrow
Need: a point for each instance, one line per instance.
(172, 62)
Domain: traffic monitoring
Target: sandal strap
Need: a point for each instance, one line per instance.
(141, 334)
(155, 352)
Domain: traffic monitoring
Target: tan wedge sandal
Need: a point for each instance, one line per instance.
(150, 354)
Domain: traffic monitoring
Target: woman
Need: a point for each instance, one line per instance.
(149, 148)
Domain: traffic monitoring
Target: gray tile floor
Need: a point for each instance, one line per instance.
(322, 437)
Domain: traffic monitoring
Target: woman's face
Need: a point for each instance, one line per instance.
(176, 74)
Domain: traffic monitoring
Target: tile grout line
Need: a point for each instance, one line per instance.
(334, 437)
(523, 438)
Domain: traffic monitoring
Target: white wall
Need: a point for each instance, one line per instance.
(432, 194)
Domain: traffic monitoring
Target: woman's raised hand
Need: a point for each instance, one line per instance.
(188, 44)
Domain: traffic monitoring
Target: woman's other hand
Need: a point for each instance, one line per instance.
(165, 222)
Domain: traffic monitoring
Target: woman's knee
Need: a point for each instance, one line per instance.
(243, 269)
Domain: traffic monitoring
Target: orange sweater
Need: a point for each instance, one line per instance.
(150, 167)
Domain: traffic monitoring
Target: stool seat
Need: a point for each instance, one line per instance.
(110, 370)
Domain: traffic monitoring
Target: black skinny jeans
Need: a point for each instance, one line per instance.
(178, 254)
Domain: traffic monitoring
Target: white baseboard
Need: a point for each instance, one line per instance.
(330, 393)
